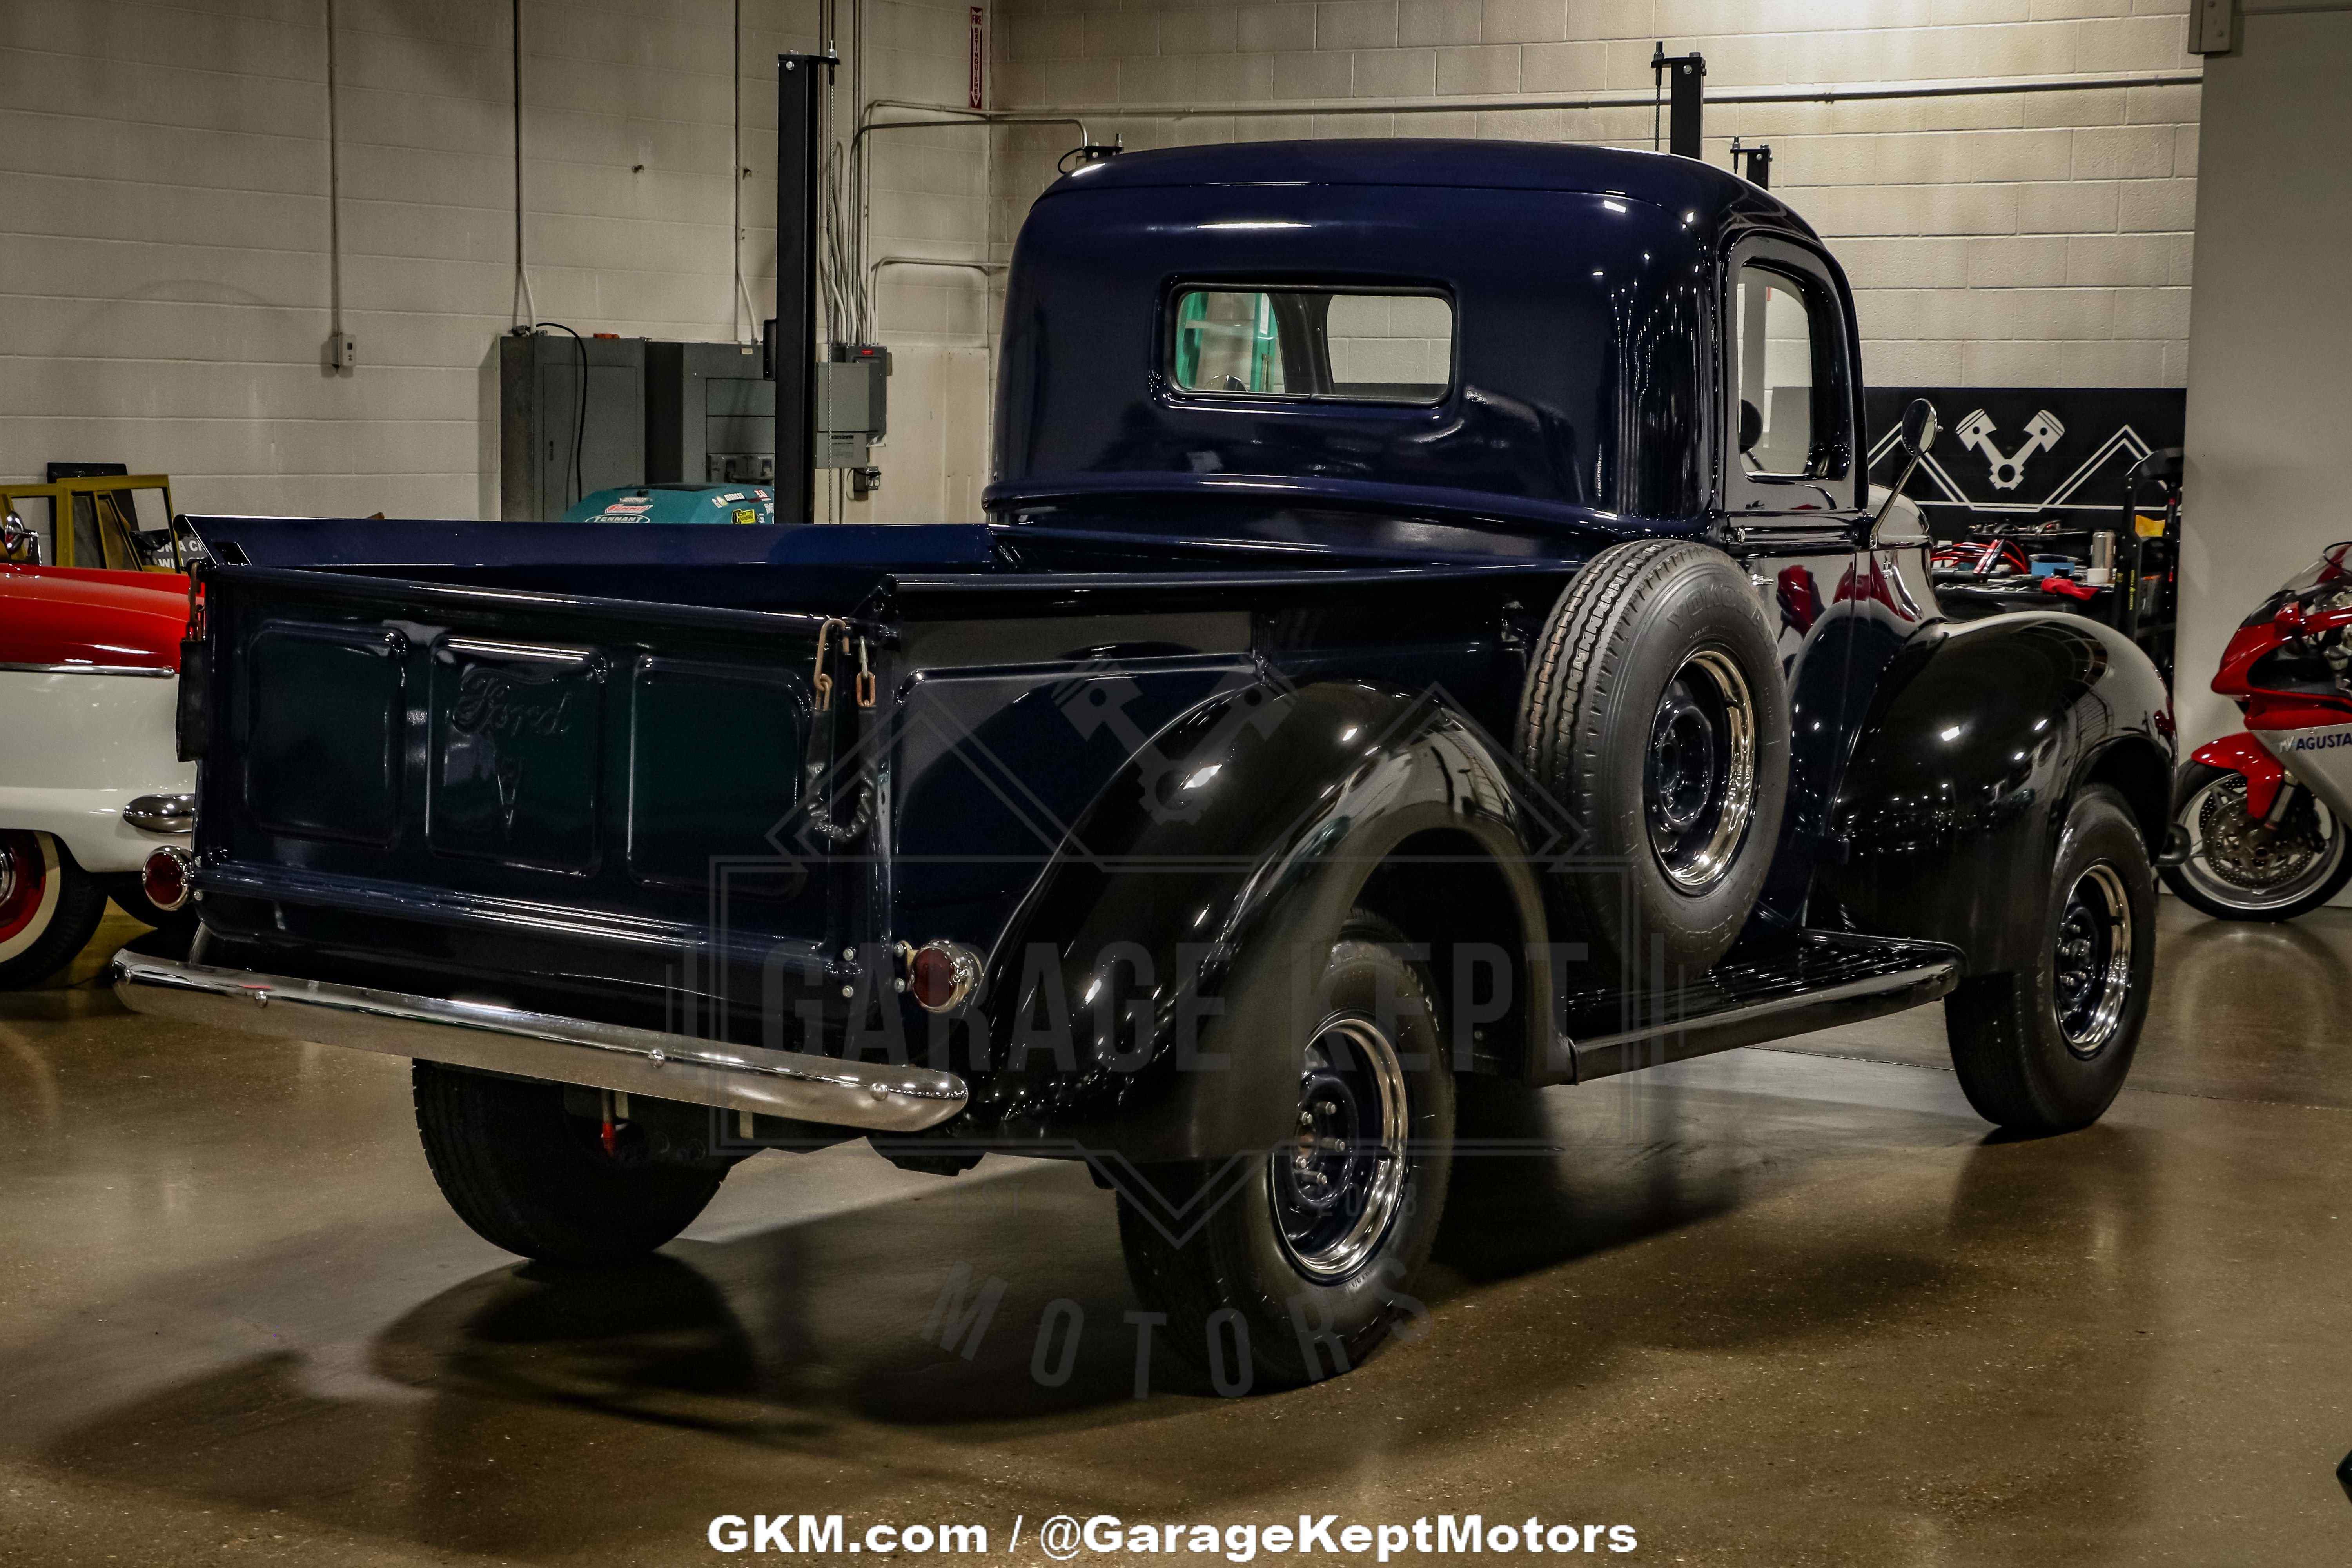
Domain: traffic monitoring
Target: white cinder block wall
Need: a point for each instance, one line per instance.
(928, 199)
(163, 229)
(163, 213)
(2023, 239)
(2273, 391)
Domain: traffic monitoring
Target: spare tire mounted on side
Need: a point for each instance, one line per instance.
(1656, 717)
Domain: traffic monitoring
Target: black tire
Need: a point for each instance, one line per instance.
(49, 908)
(1629, 634)
(2209, 888)
(2033, 1054)
(536, 1180)
(1237, 1276)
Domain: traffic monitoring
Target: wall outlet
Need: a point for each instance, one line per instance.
(342, 352)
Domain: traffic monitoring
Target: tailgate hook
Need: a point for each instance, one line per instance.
(821, 680)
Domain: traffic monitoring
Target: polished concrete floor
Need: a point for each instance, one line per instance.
(1784, 1306)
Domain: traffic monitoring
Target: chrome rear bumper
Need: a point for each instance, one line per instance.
(540, 1045)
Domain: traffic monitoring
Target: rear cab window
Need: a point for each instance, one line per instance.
(1305, 343)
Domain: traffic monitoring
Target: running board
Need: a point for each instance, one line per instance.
(1812, 979)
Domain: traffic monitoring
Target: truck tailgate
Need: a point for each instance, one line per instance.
(598, 770)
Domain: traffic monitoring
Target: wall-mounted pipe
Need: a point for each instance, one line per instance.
(337, 341)
(987, 344)
(1823, 94)
(964, 115)
(750, 329)
(529, 312)
(874, 274)
(957, 114)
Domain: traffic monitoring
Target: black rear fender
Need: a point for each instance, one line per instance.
(1154, 994)
(1977, 740)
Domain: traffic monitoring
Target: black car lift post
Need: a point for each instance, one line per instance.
(1685, 100)
(1759, 160)
(792, 336)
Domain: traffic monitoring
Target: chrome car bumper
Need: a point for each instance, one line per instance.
(496, 1039)
(174, 814)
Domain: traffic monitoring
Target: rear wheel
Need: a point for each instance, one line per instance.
(2046, 1048)
(49, 908)
(2241, 868)
(1300, 1270)
(532, 1178)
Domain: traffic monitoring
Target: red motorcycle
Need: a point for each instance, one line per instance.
(2259, 816)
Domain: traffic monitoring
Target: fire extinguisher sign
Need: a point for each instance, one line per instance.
(979, 52)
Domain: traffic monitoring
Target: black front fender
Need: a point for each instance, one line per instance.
(1153, 995)
(1978, 739)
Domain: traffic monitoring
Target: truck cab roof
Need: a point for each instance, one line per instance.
(1443, 164)
(1567, 300)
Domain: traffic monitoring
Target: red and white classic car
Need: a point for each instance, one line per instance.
(90, 782)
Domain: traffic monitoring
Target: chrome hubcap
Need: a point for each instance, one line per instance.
(2093, 960)
(1699, 783)
(1338, 1185)
(7, 873)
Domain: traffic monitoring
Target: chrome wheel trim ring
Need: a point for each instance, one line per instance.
(2202, 870)
(1700, 856)
(37, 885)
(2091, 982)
(1372, 1168)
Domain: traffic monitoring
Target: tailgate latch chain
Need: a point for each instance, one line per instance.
(823, 682)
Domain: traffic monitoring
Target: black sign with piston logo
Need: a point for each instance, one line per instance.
(2017, 454)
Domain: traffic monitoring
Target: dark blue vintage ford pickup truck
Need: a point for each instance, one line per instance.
(1432, 623)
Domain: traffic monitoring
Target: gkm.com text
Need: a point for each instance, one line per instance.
(1064, 1537)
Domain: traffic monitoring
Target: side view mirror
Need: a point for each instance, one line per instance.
(1752, 426)
(18, 542)
(1919, 427)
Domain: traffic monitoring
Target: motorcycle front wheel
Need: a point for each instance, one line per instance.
(2239, 868)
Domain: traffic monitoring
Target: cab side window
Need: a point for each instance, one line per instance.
(1790, 404)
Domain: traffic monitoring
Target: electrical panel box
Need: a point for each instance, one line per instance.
(553, 446)
(711, 414)
(852, 404)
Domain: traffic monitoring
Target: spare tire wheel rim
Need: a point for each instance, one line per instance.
(2092, 979)
(1698, 784)
(1339, 1185)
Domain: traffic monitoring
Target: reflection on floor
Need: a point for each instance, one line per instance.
(1784, 1305)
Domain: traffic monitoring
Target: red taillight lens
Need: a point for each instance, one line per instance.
(941, 975)
(166, 879)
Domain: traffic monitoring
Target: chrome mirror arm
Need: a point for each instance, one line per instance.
(1919, 427)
